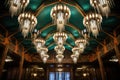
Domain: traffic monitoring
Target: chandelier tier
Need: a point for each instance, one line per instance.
(60, 38)
(59, 58)
(59, 50)
(102, 6)
(76, 51)
(81, 44)
(93, 23)
(16, 6)
(39, 43)
(74, 57)
(60, 14)
(27, 22)
(43, 51)
(45, 58)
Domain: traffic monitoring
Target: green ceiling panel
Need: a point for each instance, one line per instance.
(44, 17)
(51, 47)
(85, 5)
(48, 31)
(70, 41)
(74, 32)
(76, 18)
(34, 5)
(49, 41)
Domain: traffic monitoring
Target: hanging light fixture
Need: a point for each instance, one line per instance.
(81, 44)
(59, 50)
(76, 51)
(43, 51)
(74, 57)
(59, 58)
(60, 14)
(39, 43)
(27, 22)
(16, 6)
(102, 6)
(45, 58)
(93, 23)
(60, 38)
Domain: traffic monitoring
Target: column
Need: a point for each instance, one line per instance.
(101, 65)
(4, 55)
(21, 66)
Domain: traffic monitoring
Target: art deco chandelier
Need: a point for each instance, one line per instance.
(60, 15)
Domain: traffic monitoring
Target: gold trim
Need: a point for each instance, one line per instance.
(43, 6)
(54, 43)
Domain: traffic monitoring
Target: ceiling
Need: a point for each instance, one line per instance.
(42, 8)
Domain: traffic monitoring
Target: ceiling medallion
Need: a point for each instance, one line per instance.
(27, 22)
(16, 6)
(102, 6)
(60, 14)
(92, 22)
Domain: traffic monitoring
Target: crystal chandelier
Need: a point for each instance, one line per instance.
(93, 23)
(60, 14)
(59, 50)
(43, 51)
(60, 38)
(74, 57)
(27, 22)
(45, 57)
(59, 58)
(102, 6)
(16, 6)
(76, 51)
(81, 44)
(39, 43)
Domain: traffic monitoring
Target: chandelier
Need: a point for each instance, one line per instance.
(93, 23)
(16, 6)
(76, 51)
(39, 43)
(60, 38)
(59, 50)
(102, 6)
(59, 58)
(27, 22)
(74, 57)
(43, 54)
(60, 14)
(81, 44)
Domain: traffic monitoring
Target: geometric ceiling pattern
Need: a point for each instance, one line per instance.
(42, 8)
